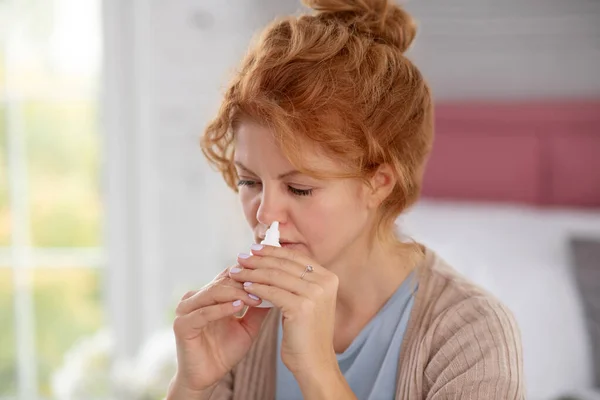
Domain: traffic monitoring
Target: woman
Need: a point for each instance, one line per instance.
(326, 129)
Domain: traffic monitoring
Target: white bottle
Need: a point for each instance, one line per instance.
(271, 239)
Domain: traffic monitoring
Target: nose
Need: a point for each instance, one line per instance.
(271, 208)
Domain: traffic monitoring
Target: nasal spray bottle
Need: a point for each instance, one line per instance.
(271, 239)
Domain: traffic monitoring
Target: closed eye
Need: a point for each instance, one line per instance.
(245, 182)
(291, 189)
(300, 192)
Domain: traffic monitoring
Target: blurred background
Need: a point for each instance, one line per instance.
(109, 213)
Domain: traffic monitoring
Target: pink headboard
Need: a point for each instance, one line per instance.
(542, 153)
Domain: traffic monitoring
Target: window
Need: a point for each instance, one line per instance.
(51, 250)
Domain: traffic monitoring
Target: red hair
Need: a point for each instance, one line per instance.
(337, 79)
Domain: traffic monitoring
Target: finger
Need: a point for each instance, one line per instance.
(281, 279)
(221, 279)
(212, 295)
(266, 261)
(285, 253)
(280, 298)
(189, 294)
(297, 271)
(224, 279)
(187, 326)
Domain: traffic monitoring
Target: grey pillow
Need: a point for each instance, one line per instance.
(585, 254)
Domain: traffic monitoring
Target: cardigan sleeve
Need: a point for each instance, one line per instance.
(476, 353)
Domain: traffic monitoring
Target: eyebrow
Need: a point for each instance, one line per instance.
(281, 176)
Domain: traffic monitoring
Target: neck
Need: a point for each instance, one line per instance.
(369, 273)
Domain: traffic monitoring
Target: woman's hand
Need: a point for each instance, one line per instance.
(307, 304)
(210, 339)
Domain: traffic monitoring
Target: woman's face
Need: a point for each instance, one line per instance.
(321, 218)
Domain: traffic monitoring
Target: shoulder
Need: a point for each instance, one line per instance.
(472, 338)
(447, 300)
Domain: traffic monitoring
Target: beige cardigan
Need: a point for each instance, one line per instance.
(460, 343)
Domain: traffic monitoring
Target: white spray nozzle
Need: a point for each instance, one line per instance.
(272, 235)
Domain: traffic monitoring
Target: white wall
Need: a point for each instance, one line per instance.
(509, 48)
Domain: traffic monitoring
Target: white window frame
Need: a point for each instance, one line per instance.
(20, 256)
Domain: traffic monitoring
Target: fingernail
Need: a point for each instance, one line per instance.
(235, 270)
(256, 247)
(244, 255)
(237, 303)
(246, 284)
(253, 297)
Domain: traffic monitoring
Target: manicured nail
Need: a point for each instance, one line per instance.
(246, 284)
(256, 247)
(235, 270)
(253, 296)
(237, 303)
(244, 255)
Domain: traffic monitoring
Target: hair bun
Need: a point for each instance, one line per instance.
(380, 18)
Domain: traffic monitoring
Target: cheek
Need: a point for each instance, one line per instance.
(333, 222)
(250, 203)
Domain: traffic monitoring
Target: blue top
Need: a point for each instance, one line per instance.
(370, 363)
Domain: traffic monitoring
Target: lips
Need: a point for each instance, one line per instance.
(290, 245)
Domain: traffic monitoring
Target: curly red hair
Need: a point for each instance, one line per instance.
(337, 79)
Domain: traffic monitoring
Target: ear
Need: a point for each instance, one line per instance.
(382, 183)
